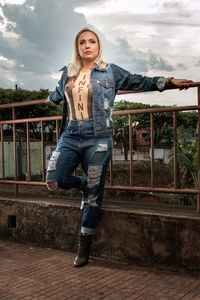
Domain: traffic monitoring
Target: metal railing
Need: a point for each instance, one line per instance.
(130, 113)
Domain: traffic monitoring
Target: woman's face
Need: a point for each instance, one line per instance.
(88, 46)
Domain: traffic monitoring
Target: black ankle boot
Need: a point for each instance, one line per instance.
(83, 250)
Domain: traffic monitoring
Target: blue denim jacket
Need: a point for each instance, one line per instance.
(105, 84)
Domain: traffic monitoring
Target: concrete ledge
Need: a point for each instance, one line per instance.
(129, 235)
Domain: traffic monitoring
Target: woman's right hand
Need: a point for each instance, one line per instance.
(179, 83)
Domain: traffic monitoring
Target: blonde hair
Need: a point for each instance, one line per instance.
(75, 65)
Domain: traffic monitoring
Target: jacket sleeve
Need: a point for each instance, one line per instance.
(58, 94)
(124, 80)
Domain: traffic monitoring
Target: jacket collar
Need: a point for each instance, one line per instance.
(63, 69)
(96, 67)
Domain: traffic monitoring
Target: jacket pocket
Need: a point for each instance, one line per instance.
(107, 88)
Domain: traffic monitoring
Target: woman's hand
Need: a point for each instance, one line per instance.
(179, 83)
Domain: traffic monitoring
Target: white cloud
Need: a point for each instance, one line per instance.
(117, 7)
(54, 75)
(157, 37)
(147, 37)
(6, 63)
(18, 2)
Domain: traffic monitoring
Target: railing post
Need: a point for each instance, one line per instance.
(28, 152)
(152, 149)
(175, 147)
(15, 151)
(2, 154)
(131, 148)
(42, 148)
(111, 171)
(16, 182)
(57, 130)
(198, 195)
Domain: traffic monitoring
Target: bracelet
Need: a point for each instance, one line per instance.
(169, 81)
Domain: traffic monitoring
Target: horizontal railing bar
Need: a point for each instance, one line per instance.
(118, 187)
(114, 113)
(156, 110)
(53, 118)
(153, 190)
(41, 101)
(24, 103)
(23, 182)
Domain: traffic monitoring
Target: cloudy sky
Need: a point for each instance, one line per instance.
(149, 37)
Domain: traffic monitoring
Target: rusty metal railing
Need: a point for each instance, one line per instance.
(130, 113)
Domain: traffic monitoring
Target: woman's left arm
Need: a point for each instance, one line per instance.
(124, 80)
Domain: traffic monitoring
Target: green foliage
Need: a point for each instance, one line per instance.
(121, 125)
(187, 164)
(25, 112)
(12, 96)
(163, 124)
(39, 110)
(188, 119)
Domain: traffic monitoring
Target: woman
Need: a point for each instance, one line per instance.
(87, 87)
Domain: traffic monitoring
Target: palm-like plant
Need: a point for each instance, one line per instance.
(187, 166)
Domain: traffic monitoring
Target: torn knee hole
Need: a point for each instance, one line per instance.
(94, 175)
(52, 186)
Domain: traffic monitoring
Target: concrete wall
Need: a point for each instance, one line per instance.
(161, 153)
(147, 238)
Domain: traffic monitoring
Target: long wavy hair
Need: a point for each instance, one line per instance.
(75, 65)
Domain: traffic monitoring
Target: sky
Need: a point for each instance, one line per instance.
(147, 37)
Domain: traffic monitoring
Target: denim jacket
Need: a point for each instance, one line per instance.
(105, 84)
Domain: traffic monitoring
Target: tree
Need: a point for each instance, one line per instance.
(163, 124)
(121, 124)
(26, 112)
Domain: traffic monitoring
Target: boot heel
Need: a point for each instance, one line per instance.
(83, 250)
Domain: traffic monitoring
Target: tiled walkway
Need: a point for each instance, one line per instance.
(28, 272)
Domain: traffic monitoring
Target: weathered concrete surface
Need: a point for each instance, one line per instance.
(140, 236)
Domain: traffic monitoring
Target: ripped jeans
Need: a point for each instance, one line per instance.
(78, 144)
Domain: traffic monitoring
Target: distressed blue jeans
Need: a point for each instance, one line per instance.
(78, 145)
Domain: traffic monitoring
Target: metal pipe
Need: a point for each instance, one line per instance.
(175, 148)
(153, 190)
(152, 149)
(114, 113)
(2, 154)
(28, 152)
(16, 191)
(41, 101)
(198, 196)
(42, 149)
(30, 120)
(130, 112)
(154, 110)
(24, 103)
(131, 148)
(117, 187)
(111, 171)
(57, 130)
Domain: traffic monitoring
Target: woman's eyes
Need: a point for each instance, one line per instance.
(91, 41)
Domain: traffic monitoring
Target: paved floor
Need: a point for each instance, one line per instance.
(28, 272)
